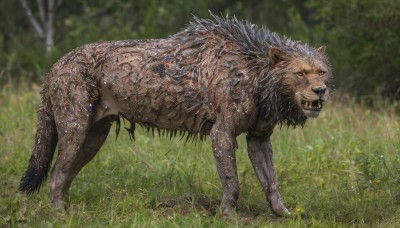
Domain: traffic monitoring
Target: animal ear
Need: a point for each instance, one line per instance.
(321, 49)
(276, 55)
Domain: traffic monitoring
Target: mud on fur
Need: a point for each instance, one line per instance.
(219, 77)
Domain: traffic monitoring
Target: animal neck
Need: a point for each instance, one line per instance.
(277, 105)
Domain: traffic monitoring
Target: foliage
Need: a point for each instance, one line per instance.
(340, 170)
(364, 34)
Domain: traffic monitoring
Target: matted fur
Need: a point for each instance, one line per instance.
(220, 77)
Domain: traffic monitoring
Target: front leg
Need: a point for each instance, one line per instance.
(224, 145)
(261, 156)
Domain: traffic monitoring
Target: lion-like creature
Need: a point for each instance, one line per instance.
(220, 77)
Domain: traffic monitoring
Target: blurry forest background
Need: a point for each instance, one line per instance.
(342, 170)
(362, 36)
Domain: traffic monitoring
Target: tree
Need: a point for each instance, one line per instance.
(45, 26)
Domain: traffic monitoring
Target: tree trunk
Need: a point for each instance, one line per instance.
(49, 42)
(45, 27)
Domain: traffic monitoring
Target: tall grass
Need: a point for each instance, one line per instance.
(342, 169)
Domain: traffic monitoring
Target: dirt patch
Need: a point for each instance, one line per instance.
(208, 207)
(187, 203)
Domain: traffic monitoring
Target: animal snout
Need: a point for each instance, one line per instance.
(319, 90)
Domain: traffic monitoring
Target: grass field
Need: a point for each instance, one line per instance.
(340, 170)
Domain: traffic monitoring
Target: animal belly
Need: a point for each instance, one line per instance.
(158, 105)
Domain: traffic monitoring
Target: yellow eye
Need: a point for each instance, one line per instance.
(300, 74)
(321, 73)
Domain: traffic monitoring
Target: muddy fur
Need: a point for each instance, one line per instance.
(219, 77)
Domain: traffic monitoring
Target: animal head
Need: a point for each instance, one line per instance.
(305, 77)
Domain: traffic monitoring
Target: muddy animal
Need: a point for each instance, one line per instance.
(217, 78)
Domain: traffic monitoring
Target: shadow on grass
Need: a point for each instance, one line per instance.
(187, 204)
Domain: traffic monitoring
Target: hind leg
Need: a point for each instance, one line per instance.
(73, 155)
(95, 138)
(69, 149)
(72, 96)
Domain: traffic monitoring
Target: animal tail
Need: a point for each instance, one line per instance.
(45, 144)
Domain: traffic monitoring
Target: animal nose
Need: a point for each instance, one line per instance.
(319, 90)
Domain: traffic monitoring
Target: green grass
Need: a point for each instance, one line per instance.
(340, 170)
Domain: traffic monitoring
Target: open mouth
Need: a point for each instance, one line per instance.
(312, 105)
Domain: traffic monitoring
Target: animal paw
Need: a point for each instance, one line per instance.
(279, 209)
(228, 212)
